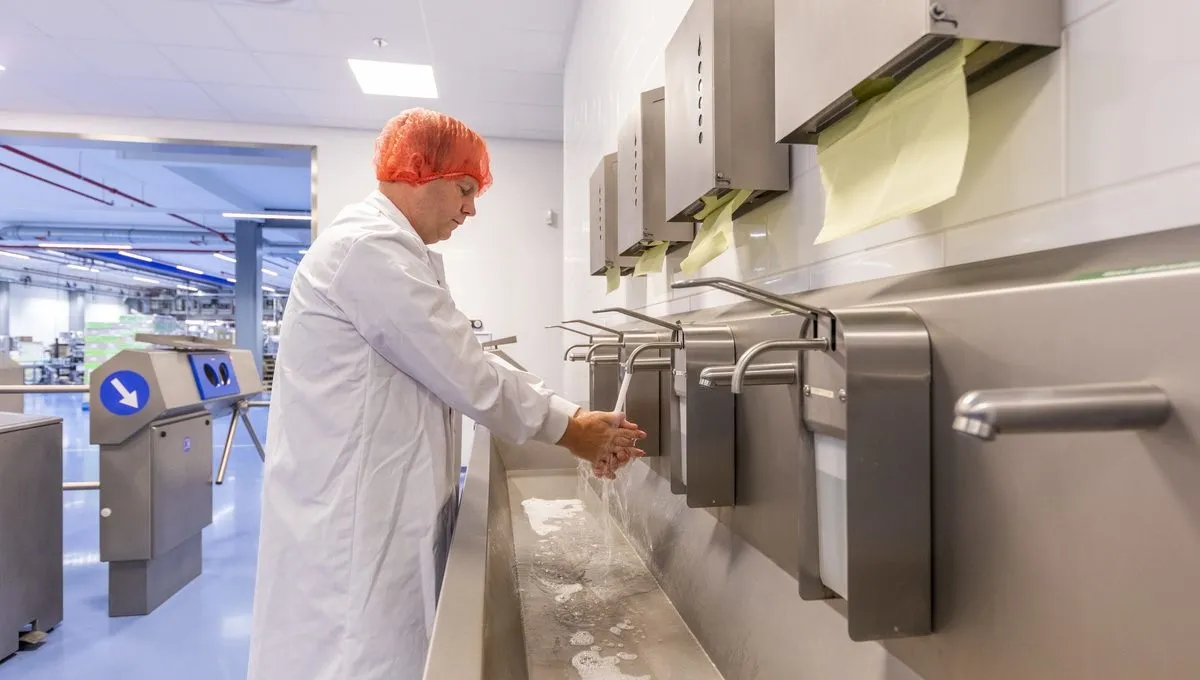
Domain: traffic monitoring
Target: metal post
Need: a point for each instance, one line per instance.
(233, 423)
(248, 292)
(262, 453)
(4, 310)
(77, 304)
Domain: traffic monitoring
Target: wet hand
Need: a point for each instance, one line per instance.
(606, 440)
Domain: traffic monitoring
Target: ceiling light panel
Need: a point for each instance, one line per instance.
(394, 79)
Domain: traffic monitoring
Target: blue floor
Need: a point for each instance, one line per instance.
(203, 632)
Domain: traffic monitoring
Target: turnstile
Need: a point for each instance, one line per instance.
(31, 526)
(151, 415)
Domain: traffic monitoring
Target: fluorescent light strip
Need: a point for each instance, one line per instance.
(145, 280)
(223, 256)
(268, 272)
(269, 289)
(85, 246)
(55, 252)
(189, 288)
(394, 79)
(134, 256)
(268, 216)
(188, 269)
(82, 268)
(15, 256)
(231, 280)
(304, 251)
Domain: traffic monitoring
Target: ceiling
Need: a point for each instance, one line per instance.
(498, 65)
(164, 200)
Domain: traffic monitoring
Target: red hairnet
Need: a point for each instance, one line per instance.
(419, 146)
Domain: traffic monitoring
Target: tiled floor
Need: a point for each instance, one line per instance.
(200, 633)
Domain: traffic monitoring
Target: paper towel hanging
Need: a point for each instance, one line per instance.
(824, 50)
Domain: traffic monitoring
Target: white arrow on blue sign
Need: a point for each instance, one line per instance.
(124, 393)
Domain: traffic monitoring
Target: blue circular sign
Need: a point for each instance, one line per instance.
(124, 393)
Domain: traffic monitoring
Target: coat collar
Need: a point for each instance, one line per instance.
(384, 205)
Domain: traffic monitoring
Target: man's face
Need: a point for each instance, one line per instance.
(442, 206)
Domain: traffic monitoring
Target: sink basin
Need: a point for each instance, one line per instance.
(542, 583)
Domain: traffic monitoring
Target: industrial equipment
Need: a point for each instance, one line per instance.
(642, 174)
(151, 415)
(31, 526)
(825, 50)
(720, 102)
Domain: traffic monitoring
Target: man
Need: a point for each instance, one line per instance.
(359, 480)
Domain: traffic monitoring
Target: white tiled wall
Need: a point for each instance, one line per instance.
(1097, 141)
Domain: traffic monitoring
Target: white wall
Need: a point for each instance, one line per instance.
(43, 313)
(1098, 141)
(502, 266)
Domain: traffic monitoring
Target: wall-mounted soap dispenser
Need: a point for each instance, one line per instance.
(642, 177)
(866, 384)
(602, 220)
(720, 94)
(825, 50)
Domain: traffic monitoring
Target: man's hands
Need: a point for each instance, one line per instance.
(606, 440)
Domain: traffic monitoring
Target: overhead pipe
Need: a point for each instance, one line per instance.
(55, 184)
(111, 189)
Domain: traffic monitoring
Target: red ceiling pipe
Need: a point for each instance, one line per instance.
(110, 189)
(54, 184)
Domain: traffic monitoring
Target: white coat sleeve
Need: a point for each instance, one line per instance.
(388, 291)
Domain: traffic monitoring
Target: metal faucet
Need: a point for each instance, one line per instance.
(567, 356)
(632, 365)
(591, 353)
(1075, 408)
(762, 374)
(738, 380)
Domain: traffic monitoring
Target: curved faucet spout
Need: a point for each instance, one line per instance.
(1076, 408)
(567, 356)
(591, 353)
(631, 367)
(738, 380)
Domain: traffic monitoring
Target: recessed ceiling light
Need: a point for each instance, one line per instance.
(82, 268)
(269, 289)
(134, 256)
(268, 272)
(188, 269)
(394, 79)
(143, 279)
(223, 256)
(2, 68)
(304, 251)
(267, 216)
(17, 256)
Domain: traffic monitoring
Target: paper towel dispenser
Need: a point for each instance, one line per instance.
(642, 171)
(602, 219)
(720, 93)
(825, 50)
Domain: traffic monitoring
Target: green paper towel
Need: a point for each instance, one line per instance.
(899, 152)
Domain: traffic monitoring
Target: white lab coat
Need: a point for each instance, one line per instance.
(360, 483)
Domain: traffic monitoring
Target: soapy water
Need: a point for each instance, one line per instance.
(594, 666)
(542, 512)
